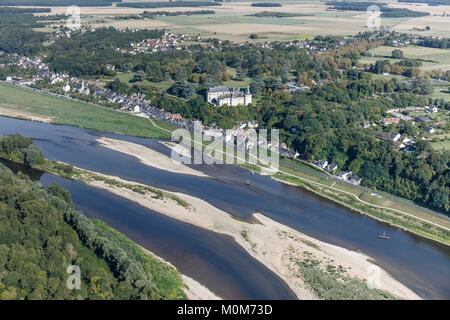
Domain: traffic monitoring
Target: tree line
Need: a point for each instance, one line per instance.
(386, 11)
(18, 36)
(58, 3)
(8, 10)
(172, 4)
(266, 4)
(41, 234)
(443, 43)
(430, 2)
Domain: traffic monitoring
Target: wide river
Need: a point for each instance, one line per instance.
(216, 260)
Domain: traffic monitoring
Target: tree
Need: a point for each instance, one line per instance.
(290, 121)
(118, 86)
(154, 71)
(422, 86)
(257, 86)
(181, 89)
(138, 77)
(409, 129)
(240, 75)
(411, 72)
(397, 54)
(380, 66)
(41, 234)
(423, 146)
(32, 156)
(438, 196)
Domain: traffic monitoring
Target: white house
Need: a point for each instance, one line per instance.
(322, 164)
(332, 167)
(430, 130)
(432, 109)
(345, 175)
(394, 137)
(356, 180)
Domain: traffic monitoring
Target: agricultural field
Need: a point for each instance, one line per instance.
(236, 83)
(441, 143)
(431, 58)
(24, 103)
(442, 92)
(233, 20)
(125, 77)
(439, 24)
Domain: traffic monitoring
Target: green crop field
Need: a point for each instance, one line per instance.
(442, 92)
(431, 58)
(441, 145)
(20, 101)
(235, 21)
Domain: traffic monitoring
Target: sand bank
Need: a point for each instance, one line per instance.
(275, 245)
(194, 290)
(149, 157)
(13, 113)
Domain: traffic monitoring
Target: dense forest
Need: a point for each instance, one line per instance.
(172, 4)
(274, 14)
(386, 12)
(401, 13)
(430, 2)
(9, 10)
(89, 53)
(407, 68)
(443, 43)
(17, 35)
(58, 3)
(41, 235)
(266, 4)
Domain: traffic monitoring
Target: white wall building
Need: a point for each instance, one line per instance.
(222, 95)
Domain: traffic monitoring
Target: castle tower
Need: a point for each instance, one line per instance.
(247, 96)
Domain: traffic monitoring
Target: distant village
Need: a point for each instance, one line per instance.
(76, 89)
(73, 88)
(168, 42)
(171, 41)
(400, 141)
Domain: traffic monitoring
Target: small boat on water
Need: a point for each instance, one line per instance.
(384, 236)
(248, 182)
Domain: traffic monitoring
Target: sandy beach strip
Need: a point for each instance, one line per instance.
(19, 114)
(273, 244)
(149, 157)
(194, 290)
